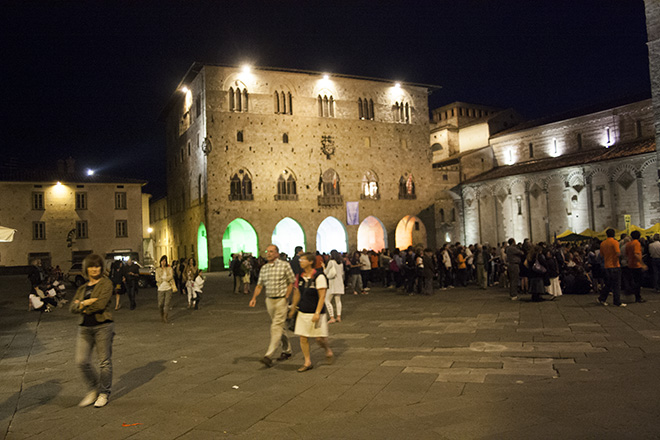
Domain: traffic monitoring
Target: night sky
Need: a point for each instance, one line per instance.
(89, 79)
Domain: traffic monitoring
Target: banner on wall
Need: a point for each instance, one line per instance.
(352, 213)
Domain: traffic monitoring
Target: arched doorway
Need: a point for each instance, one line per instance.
(287, 235)
(372, 234)
(410, 232)
(330, 235)
(239, 236)
(202, 248)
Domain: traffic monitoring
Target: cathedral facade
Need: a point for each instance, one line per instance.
(323, 161)
(591, 170)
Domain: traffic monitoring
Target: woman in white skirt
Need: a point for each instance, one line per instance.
(554, 288)
(334, 271)
(309, 300)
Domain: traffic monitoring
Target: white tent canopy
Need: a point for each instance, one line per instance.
(6, 234)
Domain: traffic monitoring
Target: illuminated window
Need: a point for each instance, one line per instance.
(81, 200)
(407, 187)
(370, 186)
(121, 228)
(240, 186)
(401, 112)
(286, 187)
(81, 229)
(238, 99)
(38, 230)
(38, 201)
(120, 200)
(326, 106)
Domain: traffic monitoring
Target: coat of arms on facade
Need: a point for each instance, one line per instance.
(328, 146)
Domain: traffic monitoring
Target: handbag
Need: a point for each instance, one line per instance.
(538, 267)
(331, 271)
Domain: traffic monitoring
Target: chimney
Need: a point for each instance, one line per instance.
(70, 165)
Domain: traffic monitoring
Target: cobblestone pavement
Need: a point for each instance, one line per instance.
(461, 364)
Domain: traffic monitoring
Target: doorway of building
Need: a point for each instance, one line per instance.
(372, 234)
(410, 231)
(202, 248)
(239, 236)
(330, 235)
(287, 235)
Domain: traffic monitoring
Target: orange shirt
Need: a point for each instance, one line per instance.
(318, 262)
(374, 261)
(634, 254)
(609, 249)
(461, 261)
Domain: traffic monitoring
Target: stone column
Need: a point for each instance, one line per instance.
(640, 199)
(590, 204)
(481, 235)
(613, 211)
(529, 212)
(497, 219)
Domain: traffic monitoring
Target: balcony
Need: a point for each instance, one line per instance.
(233, 197)
(286, 197)
(331, 200)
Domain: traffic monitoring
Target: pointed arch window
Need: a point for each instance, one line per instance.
(366, 109)
(240, 186)
(238, 99)
(401, 112)
(407, 187)
(283, 103)
(286, 186)
(330, 185)
(370, 188)
(326, 106)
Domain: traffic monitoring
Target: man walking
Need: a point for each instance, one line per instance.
(609, 250)
(277, 277)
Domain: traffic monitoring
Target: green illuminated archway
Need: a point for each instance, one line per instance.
(239, 236)
(287, 235)
(202, 248)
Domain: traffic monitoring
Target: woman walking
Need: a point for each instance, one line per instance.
(312, 321)
(164, 281)
(334, 271)
(118, 281)
(189, 275)
(96, 331)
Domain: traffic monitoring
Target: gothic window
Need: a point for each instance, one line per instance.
(402, 112)
(240, 186)
(366, 108)
(238, 99)
(331, 183)
(369, 186)
(239, 136)
(283, 103)
(285, 138)
(326, 106)
(286, 187)
(407, 187)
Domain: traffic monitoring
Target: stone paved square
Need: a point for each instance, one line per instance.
(461, 364)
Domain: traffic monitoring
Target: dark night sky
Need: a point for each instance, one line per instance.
(88, 79)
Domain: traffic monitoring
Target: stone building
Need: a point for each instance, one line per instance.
(325, 161)
(61, 216)
(576, 171)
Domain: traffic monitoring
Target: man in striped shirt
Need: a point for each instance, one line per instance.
(277, 277)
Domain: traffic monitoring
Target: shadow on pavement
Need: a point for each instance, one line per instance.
(137, 377)
(39, 394)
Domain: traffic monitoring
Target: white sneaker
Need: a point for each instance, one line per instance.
(88, 399)
(101, 401)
